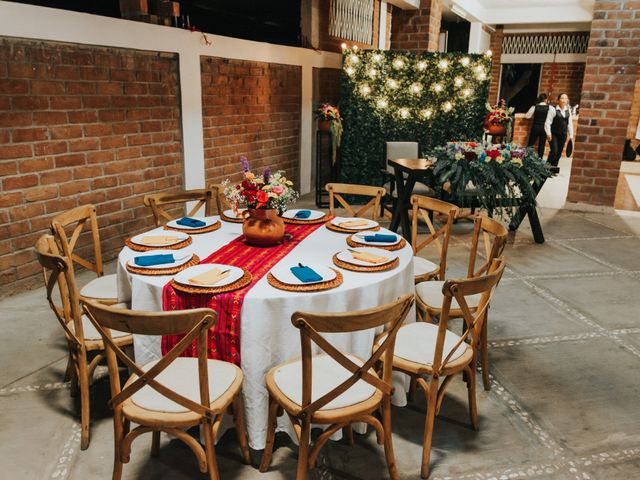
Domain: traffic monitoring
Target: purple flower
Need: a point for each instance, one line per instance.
(265, 175)
(517, 153)
(245, 164)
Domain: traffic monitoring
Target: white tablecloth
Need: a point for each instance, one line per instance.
(267, 337)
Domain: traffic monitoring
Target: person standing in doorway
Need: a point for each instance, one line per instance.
(558, 127)
(539, 113)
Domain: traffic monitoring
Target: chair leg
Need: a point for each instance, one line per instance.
(347, 433)
(68, 373)
(155, 443)
(429, 424)
(241, 430)
(271, 434)
(471, 391)
(119, 431)
(83, 380)
(388, 443)
(303, 451)
(210, 452)
(412, 388)
(484, 357)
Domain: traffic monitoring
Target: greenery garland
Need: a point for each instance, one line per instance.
(493, 176)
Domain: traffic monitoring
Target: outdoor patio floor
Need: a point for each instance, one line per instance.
(565, 364)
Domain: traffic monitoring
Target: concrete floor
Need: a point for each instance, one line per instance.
(565, 354)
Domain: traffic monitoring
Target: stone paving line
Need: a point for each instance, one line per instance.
(563, 465)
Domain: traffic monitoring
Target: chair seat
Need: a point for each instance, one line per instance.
(181, 376)
(416, 342)
(101, 288)
(422, 266)
(90, 332)
(430, 293)
(327, 374)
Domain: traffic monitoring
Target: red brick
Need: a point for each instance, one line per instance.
(40, 193)
(15, 151)
(29, 135)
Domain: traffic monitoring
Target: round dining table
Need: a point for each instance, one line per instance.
(267, 337)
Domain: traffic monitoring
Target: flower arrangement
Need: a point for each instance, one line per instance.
(499, 114)
(268, 191)
(331, 114)
(498, 174)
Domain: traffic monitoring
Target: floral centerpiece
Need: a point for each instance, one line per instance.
(266, 197)
(497, 173)
(499, 119)
(330, 120)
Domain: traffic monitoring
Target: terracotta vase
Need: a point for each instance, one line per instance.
(497, 130)
(263, 227)
(324, 125)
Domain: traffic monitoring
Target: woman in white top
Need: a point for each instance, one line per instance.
(558, 127)
(539, 114)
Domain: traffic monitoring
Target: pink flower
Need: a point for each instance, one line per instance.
(277, 189)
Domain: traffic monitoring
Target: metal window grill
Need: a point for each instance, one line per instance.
(536, 44)
(352, 20)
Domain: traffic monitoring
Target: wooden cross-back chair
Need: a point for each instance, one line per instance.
(425, 208)
(427, 349)
(159, 201)
(429, 297)
(103, 288)
(337, 190)
(222, 203)
(333, 388)
(173, 393)
(82, 339)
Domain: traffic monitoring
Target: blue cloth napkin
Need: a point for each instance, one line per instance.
(303, 214)
(150, 260)
(191, 222)
(306, 274)
(380, 237)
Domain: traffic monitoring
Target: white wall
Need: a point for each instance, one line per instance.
(26, 21)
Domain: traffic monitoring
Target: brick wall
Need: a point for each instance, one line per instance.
(495, 45)
(252, 109)
(522, 128)
(327, 85)
(609, 82)
(417, 30)
(567, 79)
(81, 125)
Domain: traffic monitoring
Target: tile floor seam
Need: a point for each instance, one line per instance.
(62, 467)
(34, 388)
(591, 257)
(514, 342)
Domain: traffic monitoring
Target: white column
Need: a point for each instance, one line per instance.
(382, 26)
(306, 117)
(479, 40)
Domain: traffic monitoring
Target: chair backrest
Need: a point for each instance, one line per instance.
(222, 203)
(395, 150)
(460, 289)
(425, 208)
(337, 190)
(494, 239)
(311, 325)
(58, 271)
(193, 323)
(159, 201)
(76, 220)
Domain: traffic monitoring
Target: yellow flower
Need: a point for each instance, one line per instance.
(249, 176)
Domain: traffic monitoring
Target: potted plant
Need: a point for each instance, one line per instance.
(499, 119)
(329, 121)
(266, 198)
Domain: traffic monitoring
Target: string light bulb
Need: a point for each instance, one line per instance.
(466, 93)
(465, 61)
(422, 65)
(426, 113)
(458, 81)
(344, 46)
(447, 107)
(391, 83)
(372, 72)
(353, 58)
(382, 103)
(404, 112)
(443, 64)
(377, 57)
(355, 48)
(479, 69)
(365, 89)
(398, 63)
(437, 88)
(416, 88)
(349, 70)
(482, 76)
(488, 53)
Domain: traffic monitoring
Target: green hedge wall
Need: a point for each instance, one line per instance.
(412, 85)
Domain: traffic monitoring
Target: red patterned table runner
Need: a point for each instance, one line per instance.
(224, 337)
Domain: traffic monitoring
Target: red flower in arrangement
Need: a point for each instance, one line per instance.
(494, 154)
(470, 156)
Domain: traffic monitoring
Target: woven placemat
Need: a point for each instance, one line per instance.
(398, 246)
(163, 271)
(296, 221)
(237, 285)
(314, 287)
(210, 228)
(145, 248)
(338, 229)
(231, 220)
(359, 268)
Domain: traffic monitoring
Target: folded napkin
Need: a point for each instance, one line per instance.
(159, 240)
(306, 274)
(191, 222)
(368, 257)
(210, 277)
(380, 237)
(302, 214)
(354, 223)
(149, 260)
